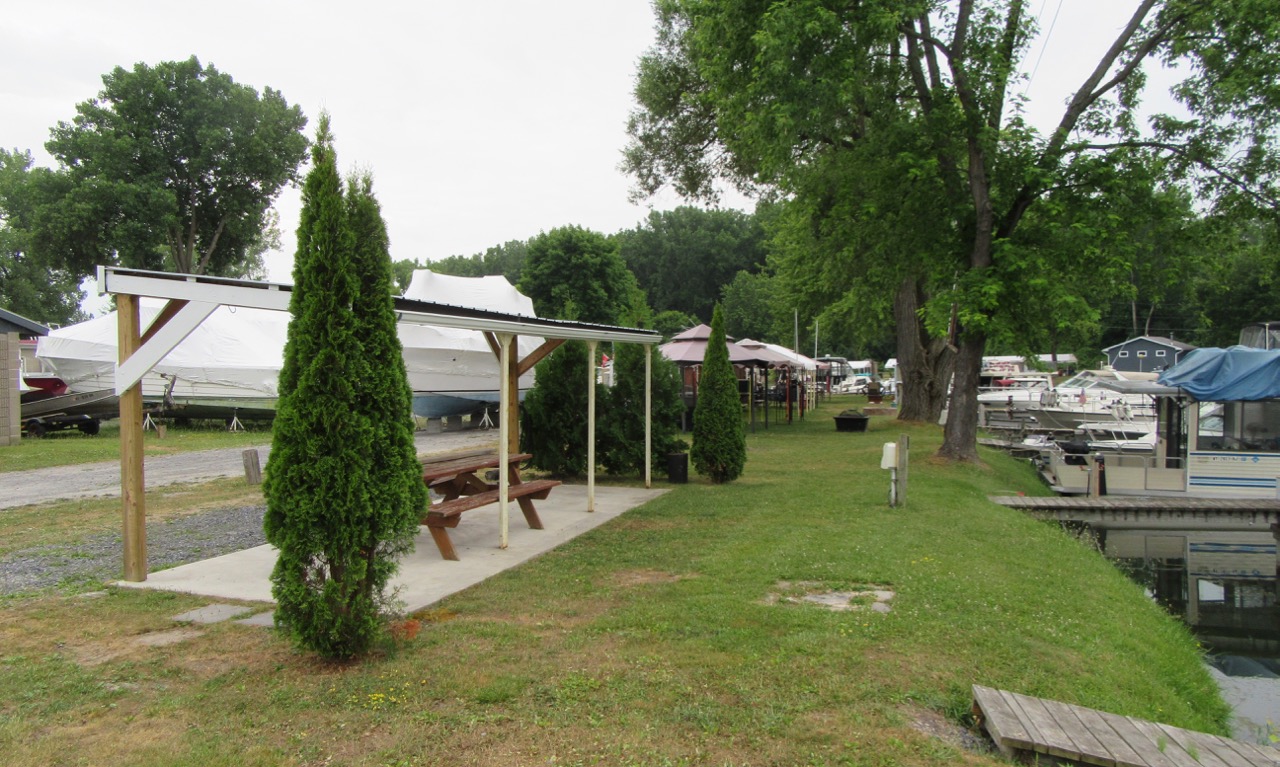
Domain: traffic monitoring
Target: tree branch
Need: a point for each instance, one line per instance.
(1249, 190)
(213, 244)
(1086, 95)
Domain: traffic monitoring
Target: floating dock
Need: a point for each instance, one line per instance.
(1152, 513)
(1026, 728)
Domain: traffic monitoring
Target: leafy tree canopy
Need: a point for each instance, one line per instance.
(748, 303)
(31, 283)
(683, 257)
(506, 259)
(574, 273)
(173, 167)
(803, 98)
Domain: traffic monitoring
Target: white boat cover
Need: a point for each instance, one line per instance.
(453, 361)
(239, 351)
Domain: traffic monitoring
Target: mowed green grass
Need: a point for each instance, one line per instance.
(69, 446)
(652, 640)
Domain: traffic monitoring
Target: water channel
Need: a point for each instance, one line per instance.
(1223, 585)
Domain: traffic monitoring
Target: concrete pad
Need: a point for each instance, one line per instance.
(266, 619)
(215, 613)
(424, 578)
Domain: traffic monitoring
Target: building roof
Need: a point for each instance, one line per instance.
(16, 323)
(1160, 340)
(268, 295)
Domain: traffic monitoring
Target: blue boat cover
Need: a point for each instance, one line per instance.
(1226, 375)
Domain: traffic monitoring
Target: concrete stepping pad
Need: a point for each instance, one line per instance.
(214, 613)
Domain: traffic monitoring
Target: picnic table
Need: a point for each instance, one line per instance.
(460, 480)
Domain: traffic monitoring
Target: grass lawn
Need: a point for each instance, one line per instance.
(68, 447)
(662, 638)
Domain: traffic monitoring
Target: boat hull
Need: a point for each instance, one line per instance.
(439, 405)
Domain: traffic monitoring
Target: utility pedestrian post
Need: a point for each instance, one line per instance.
(895, 459)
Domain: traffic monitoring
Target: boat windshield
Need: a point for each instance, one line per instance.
(1079, 381)
(1239, 426)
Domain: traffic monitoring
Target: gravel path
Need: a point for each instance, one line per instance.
(97, 558)
(91, 480)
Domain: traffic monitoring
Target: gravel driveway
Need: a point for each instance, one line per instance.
(97, 558)
(89, 480)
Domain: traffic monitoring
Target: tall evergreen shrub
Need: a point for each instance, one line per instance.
(553, 416)
(622, 430)
(719, 440)
(342, 484)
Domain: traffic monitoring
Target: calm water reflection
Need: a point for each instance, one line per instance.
(1223, 585)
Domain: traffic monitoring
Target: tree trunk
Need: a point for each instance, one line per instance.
(924, 363)
(960, 436)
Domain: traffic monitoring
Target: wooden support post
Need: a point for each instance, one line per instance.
(133, 502)
(591, 425)
(252, 466)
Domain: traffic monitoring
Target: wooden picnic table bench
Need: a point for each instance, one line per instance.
(460, 479)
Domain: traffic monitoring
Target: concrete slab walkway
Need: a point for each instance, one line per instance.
(424, 578)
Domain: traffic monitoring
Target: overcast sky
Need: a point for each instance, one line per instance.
(482, 122)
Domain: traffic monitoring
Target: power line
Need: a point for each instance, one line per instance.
(1043, 47)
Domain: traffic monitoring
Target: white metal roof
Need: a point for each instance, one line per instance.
(270, 295)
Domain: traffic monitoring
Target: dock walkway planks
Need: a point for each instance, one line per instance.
(1022, 725)
(1136, 503)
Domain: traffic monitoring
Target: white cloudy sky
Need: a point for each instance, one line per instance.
(481, 121)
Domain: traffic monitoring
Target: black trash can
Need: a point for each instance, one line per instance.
(678, 468)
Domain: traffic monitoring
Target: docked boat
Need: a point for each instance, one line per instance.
(1217, 433)
(1084, 398)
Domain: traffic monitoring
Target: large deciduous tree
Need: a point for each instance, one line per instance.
(31, 284)
(797, 96)
(683, 257)
(576, 274)
(174, 167)
(343, 486)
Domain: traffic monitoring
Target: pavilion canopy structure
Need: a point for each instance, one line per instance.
(192, 298)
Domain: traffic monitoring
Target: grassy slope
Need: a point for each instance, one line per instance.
(649, 640)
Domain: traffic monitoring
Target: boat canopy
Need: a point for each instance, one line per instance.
(1238, 373)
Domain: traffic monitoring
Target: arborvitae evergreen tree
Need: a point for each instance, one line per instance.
(622, 429)
(397, 495)
(553, 416)
(719, 440)
(337, 482)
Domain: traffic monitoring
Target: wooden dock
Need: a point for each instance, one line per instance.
(1026, 728)
(1146, 512)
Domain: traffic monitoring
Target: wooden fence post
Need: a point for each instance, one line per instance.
(252, 467)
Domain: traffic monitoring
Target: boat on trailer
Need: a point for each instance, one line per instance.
(229, 366)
